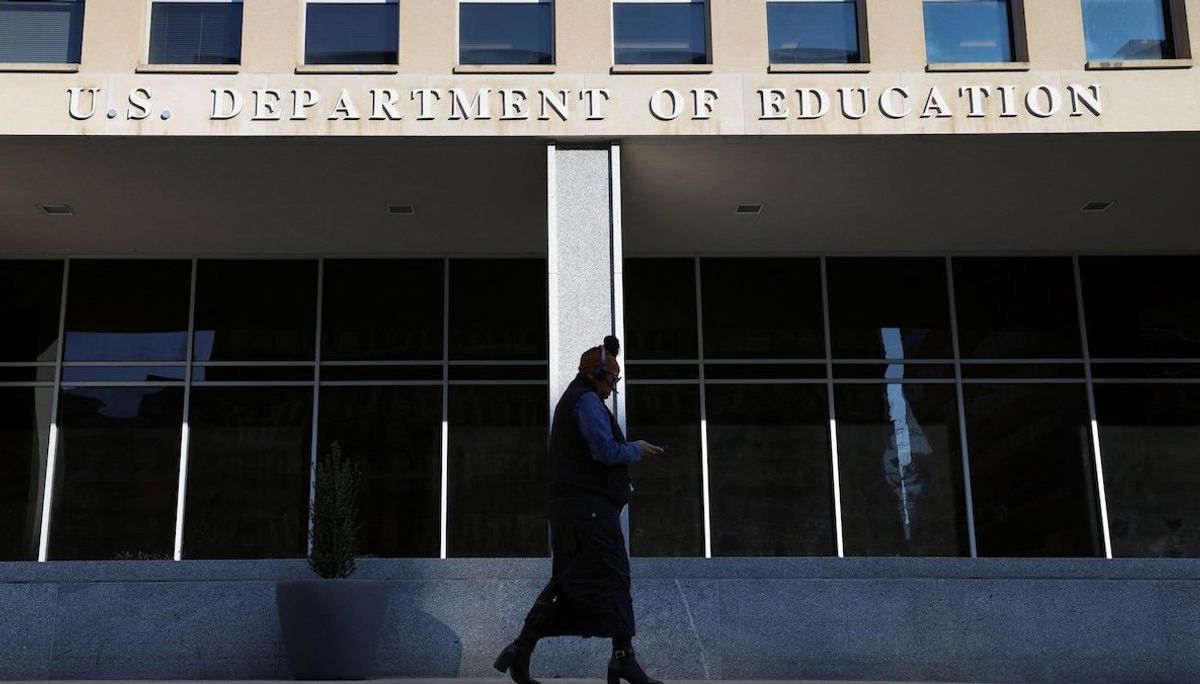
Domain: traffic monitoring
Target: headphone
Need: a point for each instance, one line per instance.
(601, 373)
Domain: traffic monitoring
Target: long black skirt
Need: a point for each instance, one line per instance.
(589, 584)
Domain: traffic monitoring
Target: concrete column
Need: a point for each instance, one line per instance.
(584, 257)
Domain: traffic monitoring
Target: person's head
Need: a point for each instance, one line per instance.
(600, 366)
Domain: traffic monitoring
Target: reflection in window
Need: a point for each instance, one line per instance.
(868, 295)
(515, 32)
(382, 309)
(769, 469)
(485, 327)
(813, 31)
(741, 309)
(135, 310)
(1142, 307)
(196, 32)
(117, 480)
(30, 297)
(665, 513)
(248, 472)
(646, 32)
(660, 309)
(1148, 438)
(395, 434)
(352, 32)
(968, 31)
(256, 310)
(24, 438)
(1119, 30)
(35, 31)
(1032, 474)
(1016, 308)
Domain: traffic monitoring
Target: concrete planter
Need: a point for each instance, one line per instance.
(331, 627)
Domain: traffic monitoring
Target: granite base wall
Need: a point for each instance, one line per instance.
(897, 619)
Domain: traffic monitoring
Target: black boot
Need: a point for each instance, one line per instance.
(624, 665)
(515, 661)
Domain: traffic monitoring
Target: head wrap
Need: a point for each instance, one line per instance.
(590, 360)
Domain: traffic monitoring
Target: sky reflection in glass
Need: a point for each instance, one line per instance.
(660, 33)
(1127, 29)
(506, 33)
(968, 31)
(813, 32)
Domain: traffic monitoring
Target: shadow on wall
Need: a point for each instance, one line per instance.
(416, 643)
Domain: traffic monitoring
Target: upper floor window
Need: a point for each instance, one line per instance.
(1119, 30)
(660, 32)
(506, 32)
(41, 31)
(196, 32)
(352, 32)
(969, 31)
(813, 31)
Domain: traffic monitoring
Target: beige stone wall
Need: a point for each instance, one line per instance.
(1164, 98)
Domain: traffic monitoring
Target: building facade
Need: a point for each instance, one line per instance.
(909, 287)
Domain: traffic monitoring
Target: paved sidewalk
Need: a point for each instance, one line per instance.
(467, 680)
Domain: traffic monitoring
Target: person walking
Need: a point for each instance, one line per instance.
(588, 485)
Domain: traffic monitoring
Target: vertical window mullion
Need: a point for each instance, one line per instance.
(1091, 401)
(704, 479)
(833, 441)
(962, 419)
(445, 481)
(185, 434)
(52, 447)
(316, 401)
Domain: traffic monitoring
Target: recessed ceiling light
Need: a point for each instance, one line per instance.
(748, 209)
(1098, 206)
(56, 210)
(401, 209)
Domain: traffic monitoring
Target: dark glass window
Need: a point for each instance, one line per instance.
(196, 33)
(395, 434)
(1016, 308)
(497, 471)
(1118, 30)
(1142, 307)
(901, 470)
(1032, 474)
(248, 472)
(660, 308)
(889, 308)
(127, 310)
(38, 31)
(117, 481)
(256, 311)
(660, 32)
(968, 31)
(378, 310)
(506, 32)
(813, 32)
(665, 513)
(743, 318)
(498, 309)
(30, 298)
(1148, 438)
(24, 436)
(352, 33)
(770, 470)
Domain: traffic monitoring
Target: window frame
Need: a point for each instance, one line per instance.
(51, 67)
(459, 67)
(145, 66)
(302, 42)
(864, 51)
(1020, 45)
(1177, 24)
(661, 68)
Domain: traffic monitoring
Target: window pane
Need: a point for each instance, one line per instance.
(901, 470)
(497, 471)
(660, 33)
(665, 516)
(1010, 308)
(24, 436)
(377, 310)
(968, 31)
(506, 33)
(889, 308)
(769, 464)
(39, 31)
(395, 434)
(1142, 307)
(352, 33)
(498, 309)
(196, 33)
(1128, 29)
(660, 309)
(742, 316)
(248, 472)
(1032, 473)
(813, 32)
(30, 297)
(256, 311)
(1148, 438)
(117, 480)
(128, 310)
